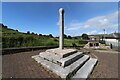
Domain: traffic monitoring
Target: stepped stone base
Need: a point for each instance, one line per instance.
(66, 62)
(85, 70)
(61, 52)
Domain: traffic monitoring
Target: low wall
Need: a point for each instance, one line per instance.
(25, 49)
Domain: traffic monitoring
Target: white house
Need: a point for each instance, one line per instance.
(112, 39)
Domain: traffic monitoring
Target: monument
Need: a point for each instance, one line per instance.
(61, 22)
(66, 63)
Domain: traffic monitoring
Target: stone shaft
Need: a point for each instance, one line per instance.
(61, 23)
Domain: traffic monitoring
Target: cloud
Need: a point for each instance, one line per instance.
(92, 32)
(108, 22)
(86, 27)
(72, 28)
(100, 32)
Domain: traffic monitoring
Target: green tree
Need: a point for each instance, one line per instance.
(40, 34)
(65, 36)
(28, 32)
(85, 36)
(4, 26)
(69, 37)
(50, 35)
(32, 33)
(16, 30)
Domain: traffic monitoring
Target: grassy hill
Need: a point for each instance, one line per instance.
(13, 38)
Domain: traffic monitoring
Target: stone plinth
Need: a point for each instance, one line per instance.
(65, 62)
(61, 52)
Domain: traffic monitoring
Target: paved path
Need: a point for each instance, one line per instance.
(21, 65)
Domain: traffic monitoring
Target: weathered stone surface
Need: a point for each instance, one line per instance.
(61, 23)
(70, 59)
(59, 70)
(50, 57)
(61, 61)
(86, 69)
(35, 56)
(61, 52)
(96, 44)
(77, 63)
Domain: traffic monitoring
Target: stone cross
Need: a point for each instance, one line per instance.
(61, 23)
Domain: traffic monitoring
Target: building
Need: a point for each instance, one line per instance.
(112, 39)
(92, 37)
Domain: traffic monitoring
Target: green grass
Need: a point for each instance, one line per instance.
(100, 49)
(70, 41)
(13, 39)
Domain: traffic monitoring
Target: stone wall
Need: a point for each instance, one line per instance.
(24, 49)
(96, 45)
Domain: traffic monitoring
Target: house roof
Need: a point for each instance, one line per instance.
(92, 37)
(113, 35)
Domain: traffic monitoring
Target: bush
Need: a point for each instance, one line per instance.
(56, 40)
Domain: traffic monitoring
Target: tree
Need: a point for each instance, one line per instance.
(16, 30)
(85, 36)
(5, 26)
(65, 36)
(1, 25)
(50, 35)
(75, 38)
(28, 32)
(32, 33)
(69, 37)
(40, 34)
(36, 34)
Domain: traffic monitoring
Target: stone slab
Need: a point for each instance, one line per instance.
(64, 61)
(85, 70)
(61, 52)
(70, 59)
(50, 57)
(35, 56)
(59, 70)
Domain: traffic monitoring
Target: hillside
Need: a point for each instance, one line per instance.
(14, 38)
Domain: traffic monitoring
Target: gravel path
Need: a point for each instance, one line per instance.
(107, 66)
(21, 65)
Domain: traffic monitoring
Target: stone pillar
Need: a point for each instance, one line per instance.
(61, 23)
